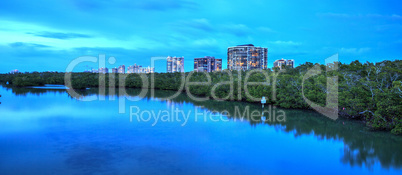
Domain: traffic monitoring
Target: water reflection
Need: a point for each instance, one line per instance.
(362, 148)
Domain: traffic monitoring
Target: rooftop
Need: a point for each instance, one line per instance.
(246, 45)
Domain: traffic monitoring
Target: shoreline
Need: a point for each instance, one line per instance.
(183, 92)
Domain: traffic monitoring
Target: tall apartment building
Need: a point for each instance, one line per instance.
(103, 70)
(283, 62)
(207, 64)
(175, 64)
(14, 71)
(114, 70)
(218, 64)
(121, 69)
(247, 57)
(147, 70)
(290, 63)
(133, 69)
(139, 69)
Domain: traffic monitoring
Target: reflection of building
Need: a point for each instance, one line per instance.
(175, 64)
(283, 62)
(247, 57)
(121, 69)
(207, 64)
(103, 70)
(139, 69)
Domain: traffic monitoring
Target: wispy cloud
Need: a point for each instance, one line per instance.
(360, 16)
(38, 31)
(285, 43)
(59, 35)
(265, 29)
(355, 50)
(163, 5)
(198, 24)
(237, 29)
(151, 5)
(396, 16)
(26, 45)
(337, 15)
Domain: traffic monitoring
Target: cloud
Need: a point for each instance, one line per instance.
(285, 43)
(360, 16)
(151, 5)
(42, 57)
(163, 5)
(336, 15)
(132, 30)
(207, 42)
(237, 29)
(287, 54)
(355, 50)
(30, 57)
(265, 29)
(59, 35)
(394, 16)
(198, 24)
(27, 45)
(202, 24)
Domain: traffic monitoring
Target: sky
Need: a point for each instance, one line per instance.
(47, 35)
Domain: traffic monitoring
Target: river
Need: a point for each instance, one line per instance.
(48, 131)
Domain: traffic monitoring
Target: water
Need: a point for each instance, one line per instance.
(47, 131)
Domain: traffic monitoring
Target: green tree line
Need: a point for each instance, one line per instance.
(371, 92)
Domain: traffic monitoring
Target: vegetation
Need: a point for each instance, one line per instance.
(369, 92)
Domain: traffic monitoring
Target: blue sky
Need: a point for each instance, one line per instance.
(46, 35)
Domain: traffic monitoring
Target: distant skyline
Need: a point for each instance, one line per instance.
(46, 35)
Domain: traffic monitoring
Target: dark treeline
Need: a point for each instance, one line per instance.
(369, 92)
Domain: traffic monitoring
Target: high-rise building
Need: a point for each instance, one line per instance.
(247, 57)
(279, 63)
(175, 64)
(207, 64)
(290, 63)
(114, 70)
(147, 70)
(121, 69)
(103, 70)
(139, 69)
(14, 71)
(218, 64)
(133, 69)
(283, 62)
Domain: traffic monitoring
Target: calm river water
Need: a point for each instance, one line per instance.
(47, 131)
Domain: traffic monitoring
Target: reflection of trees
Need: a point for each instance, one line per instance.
(32, 91)
(362, 147)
